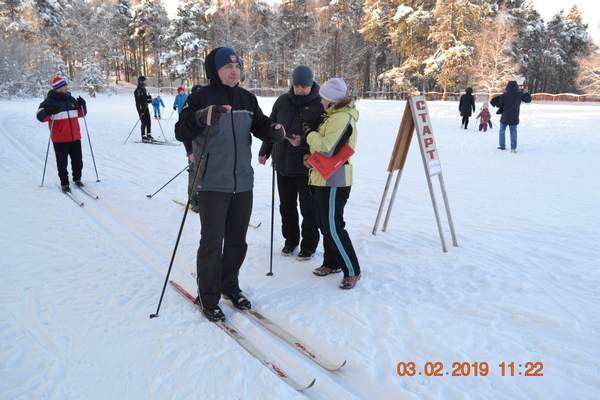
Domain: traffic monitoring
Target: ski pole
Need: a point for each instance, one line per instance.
(168, 119)
(151, 195)
(90, 141)
(47, 151)
(161, 129)
(133, 129)
(182, 223)
(272, 221)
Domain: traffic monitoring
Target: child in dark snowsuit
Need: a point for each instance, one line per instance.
(484, 116)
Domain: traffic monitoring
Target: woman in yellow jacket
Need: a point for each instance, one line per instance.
(331, 195)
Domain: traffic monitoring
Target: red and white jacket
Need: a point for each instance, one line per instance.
(66, 123)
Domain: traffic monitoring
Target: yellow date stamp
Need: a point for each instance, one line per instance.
(470, 369)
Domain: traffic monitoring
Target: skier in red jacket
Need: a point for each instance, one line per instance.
(61, 111)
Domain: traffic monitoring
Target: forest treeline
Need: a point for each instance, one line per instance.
(375, 45)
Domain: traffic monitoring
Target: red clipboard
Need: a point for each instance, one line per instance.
(326, 166)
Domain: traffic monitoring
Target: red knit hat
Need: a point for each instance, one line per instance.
(59, 82)
(179, 89)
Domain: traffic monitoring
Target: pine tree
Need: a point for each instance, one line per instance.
(92, 76)
(458, 22)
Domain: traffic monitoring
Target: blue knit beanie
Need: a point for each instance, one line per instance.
(302, 76)
(224, 56)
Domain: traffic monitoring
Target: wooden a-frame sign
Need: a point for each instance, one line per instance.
(416, 119)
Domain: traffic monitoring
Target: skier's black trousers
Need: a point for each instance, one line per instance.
(291, 189)
(63, 151)
(146, 122)
(224, 218)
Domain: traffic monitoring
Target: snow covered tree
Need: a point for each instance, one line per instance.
(92, 76)
(588, 78)
(493, 64)
(148, 27)
(569, 36)
(457, 24)
(185, 59)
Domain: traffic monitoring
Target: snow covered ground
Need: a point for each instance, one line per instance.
(77, 284)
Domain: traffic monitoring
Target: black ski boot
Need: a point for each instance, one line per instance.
(239, 301)
(214, 313)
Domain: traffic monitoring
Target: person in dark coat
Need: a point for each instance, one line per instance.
(61, 111)
(142, 99)
(510, 104)
(301, 106)
(466, 106)
(221, 118)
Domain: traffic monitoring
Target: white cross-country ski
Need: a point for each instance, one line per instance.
(71, 196)
(289, 338)
(86, 191)
(286, 337)
(246, 344)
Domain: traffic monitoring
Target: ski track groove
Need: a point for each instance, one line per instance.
(104, 219)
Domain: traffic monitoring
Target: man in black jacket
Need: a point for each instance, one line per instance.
(466, 106)
(142, 99)
(510, 105)
(220, 119)
(299, 107)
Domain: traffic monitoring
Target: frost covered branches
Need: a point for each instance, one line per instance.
(379, 47)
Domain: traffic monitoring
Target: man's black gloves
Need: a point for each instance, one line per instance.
(52, 110)
(174, 108)
(306, 128)
(210, 115)
(276, 133)
(80, 102)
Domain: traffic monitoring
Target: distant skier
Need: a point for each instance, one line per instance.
(179, 99)
(466, 106)
(61, 111)
(157, 103)
(142, 99)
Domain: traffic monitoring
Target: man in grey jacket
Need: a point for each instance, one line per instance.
(220, 119)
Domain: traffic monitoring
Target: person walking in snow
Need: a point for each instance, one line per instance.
(331, 195)
(220, 119)
(142, 99)
(510, 104)
(466, 106)
(484, 118)
(157, 103)
(61, 111)
(300, 106)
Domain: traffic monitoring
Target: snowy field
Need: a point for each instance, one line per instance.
(77, 284)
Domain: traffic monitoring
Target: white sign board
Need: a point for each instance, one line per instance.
(420, 113)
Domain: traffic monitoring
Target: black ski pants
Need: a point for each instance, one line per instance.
(339, 251)
(146, 122)
(224, 218)
(291, 189)
(63, 151)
